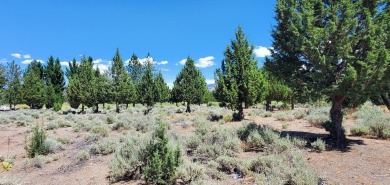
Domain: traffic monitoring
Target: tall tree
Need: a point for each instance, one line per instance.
(88, 83)
(73, 69)
(54, 76)
(2, 78)
(147, 86)
(102, 88)
(340, 46)
(238, 77)
(135, 70)
(162, 89)
(33, 87)
(190, 84)
(119, 77)
(275, 89)
(12, 92)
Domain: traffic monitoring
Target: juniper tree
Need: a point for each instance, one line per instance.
(147, 86)
(33, 87)
(162, 89)
(54, 77)
(12, 92)
(190, 84)
(88, 83)
(2, 80)
(102, 88)
(135, 70)
(339, 45)
(119, 77)
(238, 77)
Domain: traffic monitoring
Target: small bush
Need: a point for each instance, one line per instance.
(37, 144)
(105, 146)
(4, 119)
(317, 116)
(299, 113)
(255, 140)
(318, 145)
(371, 120)
(52, 125)
(284, 116)
(360, 130)
(100, 129)
(191, 172)
(53, 145)
(82, 156)
(227, 164)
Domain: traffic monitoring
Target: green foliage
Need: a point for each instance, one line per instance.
(371, 120)
(12, 92)
(320, 44)
(105, 146)
(162, 161)
(162, 89)
(37, 145)
(190, 85)
(284, 116)
(33, 88)
(318, 145)
(238, 81)
(55, 81)
(82, 156)
(191, 172)
(317, 116)
(148, 86)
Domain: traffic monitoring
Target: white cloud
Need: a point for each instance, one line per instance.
(97, 61)
(205, 62)
(3, 60)
(182, 62)
(16, 55)
(210, 81)
(26, 56)
(201, 63)
(162, 62)
(28, 61)
(164, 69)
(102, 67)
(261, 51)
(64, 63)
(170, 85)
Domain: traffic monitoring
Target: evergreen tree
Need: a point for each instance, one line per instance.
(72, 92)
(54, 76)
(162, 89)
(33, 88)
(275, 90)
(12, 93)
(119, 77)
(88, 84)
(147, 86)
(190, 84)
(135, 70)
(73, 69)
(238, 78)
(339, 45)
(102, 88)
(2, 81)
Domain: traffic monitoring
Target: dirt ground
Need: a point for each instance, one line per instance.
(366, 161)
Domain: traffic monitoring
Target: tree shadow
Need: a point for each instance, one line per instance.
(330, 142)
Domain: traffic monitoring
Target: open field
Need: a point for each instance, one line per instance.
(216, 150)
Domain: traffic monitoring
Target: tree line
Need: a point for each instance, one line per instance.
(44, 85)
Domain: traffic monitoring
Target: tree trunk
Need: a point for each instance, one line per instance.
(386, 101)
(292, 103)
(127, 105)
(177, 104)
(97, 108)
(267, 105)
(104, 106)
(240, 112)
(188, 107)
(133, 104)
(82, 108)
(336, 116)
(117, 107)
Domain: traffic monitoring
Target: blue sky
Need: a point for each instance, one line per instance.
(169, 30)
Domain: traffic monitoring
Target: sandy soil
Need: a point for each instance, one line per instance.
(367, 161)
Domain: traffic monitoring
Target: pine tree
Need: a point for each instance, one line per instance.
(135, 70)
(190, 84)
(102, 88)
(339, 45)
(88, 84)
(54, 76)
(119, 77)
(2, 80)
(274, 89)
(33, 88)
(73, 69)
(72, 92)
(238, 77)
(147, 86)
(162, 89)
(12, 93)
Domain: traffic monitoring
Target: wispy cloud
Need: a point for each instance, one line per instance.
(26, 56)
(205, 62)
(3, 60)
(162, 62)
(64, 63)
(210, 81)
(98, 61)
(102, 67)
(201, 62)
(164, 69)
(261, 51)
(28, 61)
(16, 55)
